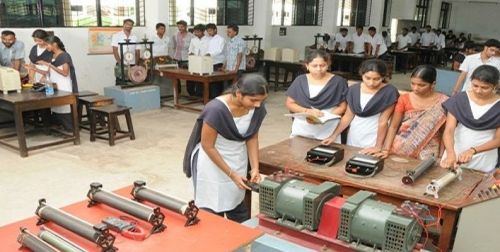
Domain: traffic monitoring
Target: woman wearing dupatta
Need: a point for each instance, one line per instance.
(224, 142)
(472, 133)
(417, 119)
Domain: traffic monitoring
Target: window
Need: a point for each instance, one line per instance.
(354, 12)
(297, 12)
(220, 12)
(444, 16)
(422, 12)
(387, 13)
(70, 13)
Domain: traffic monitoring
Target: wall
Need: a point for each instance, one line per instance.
(480, 19)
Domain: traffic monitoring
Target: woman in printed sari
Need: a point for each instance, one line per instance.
(417, 119)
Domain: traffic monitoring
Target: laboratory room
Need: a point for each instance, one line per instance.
(249, 125)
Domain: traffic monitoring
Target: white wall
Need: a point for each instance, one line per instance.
(403, 9)
(480, 19)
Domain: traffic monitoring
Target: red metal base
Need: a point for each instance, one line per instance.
(330, 217)
(306, 238)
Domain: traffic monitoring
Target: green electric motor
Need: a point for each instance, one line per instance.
(375, 224)
(295, 203)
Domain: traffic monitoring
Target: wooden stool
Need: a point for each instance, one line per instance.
(110, 115)
(88, 102)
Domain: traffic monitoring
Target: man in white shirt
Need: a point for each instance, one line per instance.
(471, 62)
(198, 47)
(121, 37)
(414, 35)
(377, 43)
(404, 40)
(342, 40)
(199, 44)
(440, 40)
(216, 46)
(130, 52)
(162, 46)
(428, 37)
(359, 41)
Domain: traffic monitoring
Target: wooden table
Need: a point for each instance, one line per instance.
(348, 63)
(17, 103)
(296, 68)
(405, 60)
(212, 233)
(289, 155)
(183, 74)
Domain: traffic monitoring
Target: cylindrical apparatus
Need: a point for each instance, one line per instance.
(143, 193)
(98, 234)
(290, 199)
(35, 244)
(437, 184)
(143, 212)
(58, 241)
(412, 175)
(368, 224)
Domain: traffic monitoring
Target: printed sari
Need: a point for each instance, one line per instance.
(418, 136)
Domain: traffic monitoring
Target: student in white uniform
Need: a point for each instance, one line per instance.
(472, 133)
(315, 92)
(162, 46)
(428, 38)
(199, 44)
(471, 62)
(359, 41)
(404, 40)
(415, 35)
(216, 48)
(377, 44)
(370, 106)
(224, 142)
(342, 40)
(62, 72)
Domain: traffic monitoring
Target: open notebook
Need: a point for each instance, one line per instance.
(327, 116)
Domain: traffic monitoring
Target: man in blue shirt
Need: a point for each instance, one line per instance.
(235, 56)
(12, 52)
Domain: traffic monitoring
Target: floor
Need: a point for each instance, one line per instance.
(62, 174)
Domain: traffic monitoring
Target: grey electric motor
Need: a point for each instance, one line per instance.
(295, 203)
(376, 224)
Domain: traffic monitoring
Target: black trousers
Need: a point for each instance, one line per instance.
(239, 214)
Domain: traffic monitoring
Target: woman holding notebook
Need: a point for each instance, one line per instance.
(317, 94)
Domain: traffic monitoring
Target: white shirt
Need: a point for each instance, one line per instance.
(120, 37)
(414, 37)
(216, 48)
(403, 41)
(471, 62)
(376, 40)
(199, 47)
(359, 42)
(428, 38)
(162, 46)
(440, 41)
(342, 40)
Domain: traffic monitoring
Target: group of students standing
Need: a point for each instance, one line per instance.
(461, 130)
(49, 62)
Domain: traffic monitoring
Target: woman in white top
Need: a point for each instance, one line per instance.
(38, 52)
(223, 142)
(315, 93)
(62, 72)
(472, 133)
(370, 106)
